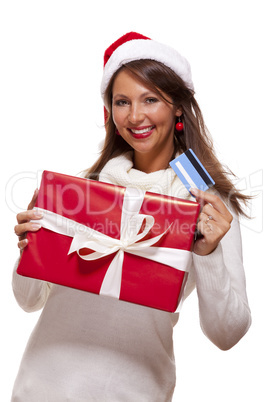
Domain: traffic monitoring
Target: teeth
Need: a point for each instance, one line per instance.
(145, 130)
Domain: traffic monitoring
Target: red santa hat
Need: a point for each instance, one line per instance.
(134, 46)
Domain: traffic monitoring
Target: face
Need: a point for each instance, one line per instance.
(145, 120)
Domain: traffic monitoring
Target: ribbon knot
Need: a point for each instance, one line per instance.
(124, 245)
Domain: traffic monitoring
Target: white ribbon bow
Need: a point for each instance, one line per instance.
(130, 236)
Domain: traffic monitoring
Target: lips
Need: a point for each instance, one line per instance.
(141, 132)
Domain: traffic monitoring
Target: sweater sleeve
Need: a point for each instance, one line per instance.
(31, 294)
(221, 287)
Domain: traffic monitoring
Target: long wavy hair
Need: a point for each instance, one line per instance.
(164, 81)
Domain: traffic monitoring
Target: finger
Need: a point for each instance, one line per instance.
(33, 200)
(22, 244)
(223, 219)
(28, 215)
(205, 218)
(210, 212)
(212, 229)
(21, 229)
(205, 226)
(206, 244)
(214, 218)
(206, 197)
(214, 200)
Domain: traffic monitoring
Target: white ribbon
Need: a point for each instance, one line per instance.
(130, 236)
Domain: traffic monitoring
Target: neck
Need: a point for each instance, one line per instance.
(151, 163)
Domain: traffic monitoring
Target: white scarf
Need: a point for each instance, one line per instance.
(120, 171)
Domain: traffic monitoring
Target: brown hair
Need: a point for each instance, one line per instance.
(163, 80)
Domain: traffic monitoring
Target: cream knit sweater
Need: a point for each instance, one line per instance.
(87, 347)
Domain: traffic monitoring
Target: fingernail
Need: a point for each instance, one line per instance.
(194, 191)
(23, 244)
(36, 226)
(38, 214)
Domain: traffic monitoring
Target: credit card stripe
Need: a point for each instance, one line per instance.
(185, 175)
(180, 175)
(199, 167)
(192, 172)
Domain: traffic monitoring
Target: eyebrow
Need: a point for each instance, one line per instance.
(143, 95)
(120, 96)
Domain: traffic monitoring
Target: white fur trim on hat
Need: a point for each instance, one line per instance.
(138, 49)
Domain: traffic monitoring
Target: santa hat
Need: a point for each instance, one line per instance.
(134, 46)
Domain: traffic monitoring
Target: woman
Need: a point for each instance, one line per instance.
(90, 348)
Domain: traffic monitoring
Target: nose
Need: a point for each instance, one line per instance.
(136, 114)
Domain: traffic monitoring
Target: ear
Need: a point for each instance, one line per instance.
(178, 112)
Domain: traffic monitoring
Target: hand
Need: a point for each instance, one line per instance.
(214, 221)
(24, 224)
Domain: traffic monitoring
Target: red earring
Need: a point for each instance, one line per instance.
(179, 126)
(117, 132)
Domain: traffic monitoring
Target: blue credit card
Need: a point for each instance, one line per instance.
(191, 171)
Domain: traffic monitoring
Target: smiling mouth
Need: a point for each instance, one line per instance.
(141, 132)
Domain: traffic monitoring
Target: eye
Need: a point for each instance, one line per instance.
(151, 100)
(121, 102)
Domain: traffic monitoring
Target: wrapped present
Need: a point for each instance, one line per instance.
(111, 240)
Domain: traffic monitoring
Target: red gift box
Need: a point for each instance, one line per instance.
(112, 240)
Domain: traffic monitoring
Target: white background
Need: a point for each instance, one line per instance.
(51, 118)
